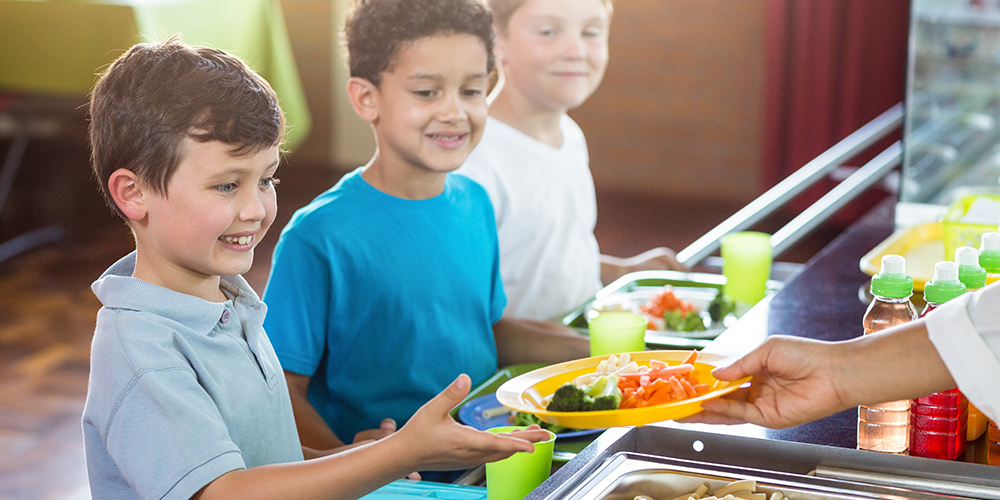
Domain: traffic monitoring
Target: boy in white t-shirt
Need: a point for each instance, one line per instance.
(533, 158)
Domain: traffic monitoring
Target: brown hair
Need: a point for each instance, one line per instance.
(377, 30)
(156, 94)
(503, 9)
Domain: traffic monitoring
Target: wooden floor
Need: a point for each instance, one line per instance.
(47, 310)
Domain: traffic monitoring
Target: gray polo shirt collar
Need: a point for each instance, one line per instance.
(117, 289)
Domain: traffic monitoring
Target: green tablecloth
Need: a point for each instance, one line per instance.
(57, 47)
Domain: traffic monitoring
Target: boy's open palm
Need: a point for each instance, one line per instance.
(440, 443)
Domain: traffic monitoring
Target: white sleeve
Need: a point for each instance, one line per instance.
(966, 334)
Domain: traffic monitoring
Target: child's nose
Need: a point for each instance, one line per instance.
(253, 208)
(451, 109)
(575, 48)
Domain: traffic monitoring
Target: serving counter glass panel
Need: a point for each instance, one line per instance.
(952, 101)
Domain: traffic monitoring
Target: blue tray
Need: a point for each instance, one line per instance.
(406, 489)
(471, 414)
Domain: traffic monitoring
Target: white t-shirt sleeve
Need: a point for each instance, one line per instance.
(966, 334)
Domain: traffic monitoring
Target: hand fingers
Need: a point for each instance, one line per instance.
(450, 397)
(388, 424)
(731, 411)
(747, 365)
(530, 435)
(414, 476)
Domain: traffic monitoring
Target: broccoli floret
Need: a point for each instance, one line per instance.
(567, 397)
(603, 394)
(721, 307)
(608, 395)
(684, 321)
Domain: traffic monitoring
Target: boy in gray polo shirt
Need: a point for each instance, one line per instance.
(186, 397)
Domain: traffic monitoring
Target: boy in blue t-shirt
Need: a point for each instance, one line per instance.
(186, 398)
(387, 286)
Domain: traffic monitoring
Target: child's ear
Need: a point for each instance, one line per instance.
(364, 98)
(498, 45)
(128, 193)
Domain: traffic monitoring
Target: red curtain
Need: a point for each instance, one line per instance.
(832, 66)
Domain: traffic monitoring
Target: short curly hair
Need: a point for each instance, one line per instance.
(156, 94)
(376, 30)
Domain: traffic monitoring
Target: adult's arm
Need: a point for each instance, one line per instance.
(797, 380)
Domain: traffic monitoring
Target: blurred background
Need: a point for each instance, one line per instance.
(705, 105)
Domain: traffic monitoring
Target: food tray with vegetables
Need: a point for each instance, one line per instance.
(685, 310)
(606, 391)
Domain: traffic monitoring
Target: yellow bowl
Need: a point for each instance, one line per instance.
(525, 392)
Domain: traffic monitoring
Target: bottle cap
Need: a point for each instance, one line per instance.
(892, 280)
(945, 285)
(969, 271)
(989, 252)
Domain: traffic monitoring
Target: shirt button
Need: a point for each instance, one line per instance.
(225, 316)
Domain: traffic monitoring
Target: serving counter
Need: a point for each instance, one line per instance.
(826, 301)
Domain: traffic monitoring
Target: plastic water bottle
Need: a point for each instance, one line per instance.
(939, 422)
(970, 273)
(884, 427)
(989, 256)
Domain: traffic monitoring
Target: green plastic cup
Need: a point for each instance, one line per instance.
(616, 332)
(746, 264)
(514, 477)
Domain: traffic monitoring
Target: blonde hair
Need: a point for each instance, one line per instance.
(503, 9)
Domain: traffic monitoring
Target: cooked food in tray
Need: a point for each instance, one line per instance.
(744, 489)
(686, 310)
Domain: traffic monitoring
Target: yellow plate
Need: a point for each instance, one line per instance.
(920, 245)
(525, 392)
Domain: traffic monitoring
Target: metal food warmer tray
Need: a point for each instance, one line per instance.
(663, 463)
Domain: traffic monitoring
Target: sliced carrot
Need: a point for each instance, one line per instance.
(691, 358)
(676, 389)
(660, 397)
(687, 388)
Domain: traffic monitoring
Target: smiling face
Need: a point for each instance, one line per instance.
(216, 209)
(554, 52)
(430, 107)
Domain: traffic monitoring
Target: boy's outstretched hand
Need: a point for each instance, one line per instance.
(795, 381)
(437, 442)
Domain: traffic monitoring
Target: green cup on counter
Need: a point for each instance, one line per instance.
(514, 477)
(615, 332)
(746, 264)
